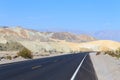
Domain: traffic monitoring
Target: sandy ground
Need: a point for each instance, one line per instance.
(106, 67)
(4, 53)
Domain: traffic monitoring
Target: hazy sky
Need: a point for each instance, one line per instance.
(61, 15)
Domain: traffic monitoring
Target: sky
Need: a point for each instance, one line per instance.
(61, 15)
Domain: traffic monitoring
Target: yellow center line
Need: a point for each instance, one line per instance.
(35, 67)
(55, 60)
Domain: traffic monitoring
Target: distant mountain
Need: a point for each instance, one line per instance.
(42, 42)
(107, 35)
(70, 37)
(19, 34)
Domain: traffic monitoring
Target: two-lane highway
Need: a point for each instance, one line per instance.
(65, 67)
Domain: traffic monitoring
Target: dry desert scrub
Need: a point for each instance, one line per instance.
(25, 53)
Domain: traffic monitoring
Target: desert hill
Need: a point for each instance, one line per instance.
(14, 39)
(21, 34)
(101, 45)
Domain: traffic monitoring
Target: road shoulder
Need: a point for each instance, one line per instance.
(106, 67)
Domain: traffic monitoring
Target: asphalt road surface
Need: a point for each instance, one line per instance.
(65, 67)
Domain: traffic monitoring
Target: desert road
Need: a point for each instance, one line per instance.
(64, 67)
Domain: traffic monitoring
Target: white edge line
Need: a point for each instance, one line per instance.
(75, 73)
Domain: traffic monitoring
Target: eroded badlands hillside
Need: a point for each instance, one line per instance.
(42, 41)
(45, 43)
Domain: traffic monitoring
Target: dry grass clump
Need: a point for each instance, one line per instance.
(8, 57)
(98, 53)
(118, 53)
(112, 53)
(25, 53)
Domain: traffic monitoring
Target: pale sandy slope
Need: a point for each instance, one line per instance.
(63, 46)
(101, 45)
